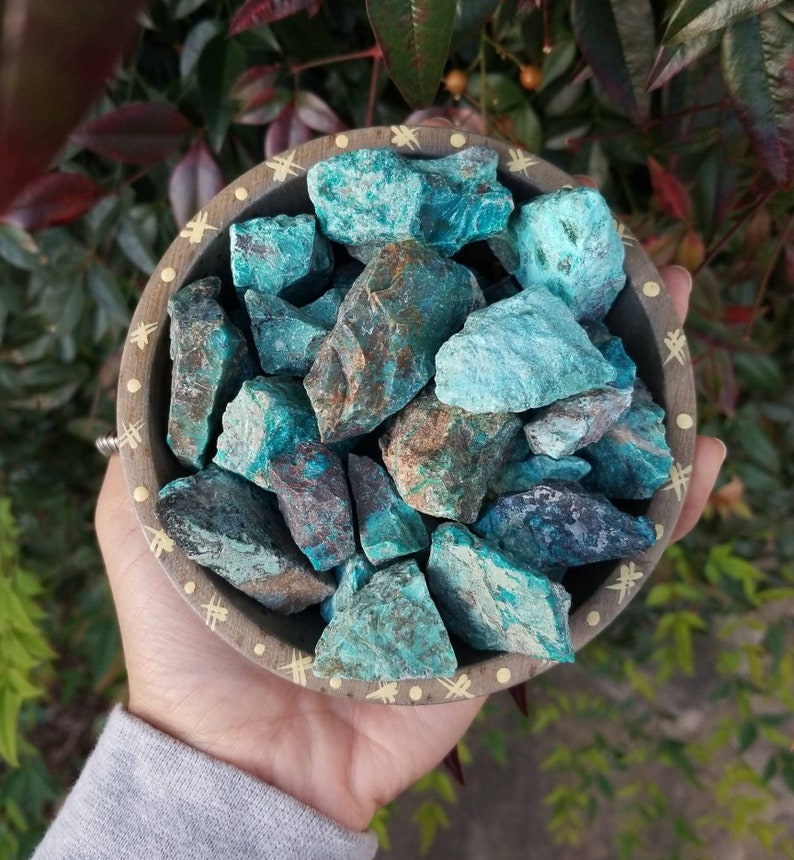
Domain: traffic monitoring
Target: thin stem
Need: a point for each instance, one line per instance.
(765, 278)
(373, 91)
(715, 249)
(373, 52)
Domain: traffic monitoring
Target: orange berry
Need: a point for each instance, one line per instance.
(531, 77)
(456, 82)
(691, 251)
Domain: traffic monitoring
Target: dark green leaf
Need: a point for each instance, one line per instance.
(617, 38)
(746, 736)
(758, 67)
(671, 59)
(692, 18)
(414, 36)
(469, 17)
(197, 39)
(221, 63)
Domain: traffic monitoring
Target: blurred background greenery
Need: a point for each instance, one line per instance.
(120, 120)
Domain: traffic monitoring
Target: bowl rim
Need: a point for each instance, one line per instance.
(237, 618)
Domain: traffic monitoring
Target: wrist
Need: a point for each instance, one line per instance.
(249, 748)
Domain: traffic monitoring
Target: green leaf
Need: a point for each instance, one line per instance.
(618, 40)
(759, 74)
(197, 39)
(221, 63)
(672, 59)
(746, 735)
(9, 713)
(414, 36)
(692, 18)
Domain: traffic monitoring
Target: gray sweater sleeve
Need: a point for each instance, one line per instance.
(143, 794)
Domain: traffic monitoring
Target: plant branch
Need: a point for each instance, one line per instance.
(770, 266)
(373, 90)
(368, 53)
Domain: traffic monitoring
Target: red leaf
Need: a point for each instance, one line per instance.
(738, 314)
(264, 107)
(670, 192)
(138, 133)
(316, 114)
(56, 198)
(254, 81)
(286, 131)
(452, 762)
(194, 182)
(519, 694)
(255, 13)
(54, 60)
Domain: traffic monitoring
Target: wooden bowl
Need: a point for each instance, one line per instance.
(643, 316)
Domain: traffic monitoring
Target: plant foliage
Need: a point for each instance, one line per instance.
(683, 113)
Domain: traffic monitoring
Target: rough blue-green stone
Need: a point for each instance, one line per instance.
(519, 475)
(390, 630)
(381, 351)
(569, 424)
(505, 246)
(521, 353)
(568, 243)
(209, 355)
(611, 347)
(367, 197)
(313, 496)
(269, 418)
(559, 524)
(632, 459)
(224, 522)
(442, 458)
(495, 603)
(503, 289)
(387, 527)
(287, 339)
(325, 309)
(351, 576)
(283, 256)
(463, 200)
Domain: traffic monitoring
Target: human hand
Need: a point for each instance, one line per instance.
(345, 758)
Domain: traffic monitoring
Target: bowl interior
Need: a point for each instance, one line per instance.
(643, 316)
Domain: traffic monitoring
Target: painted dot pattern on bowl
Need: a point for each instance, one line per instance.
(239, 620)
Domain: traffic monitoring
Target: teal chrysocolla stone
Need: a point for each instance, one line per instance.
(209, 355)
(520, 353)
(313, 496)
(495, 603)
(287, 339)
(283, 256)
(503, 289)
(233, 527)
(519, 475)
(505, 246)
(269, 418)
(387, 527)
(442, 458)
(381, 351)
(325, 309)
(567, 425)
(632, 459)
(559, 524)
(367, 197)
(614, 352)
(351, 576)
(390, 630)
(568, 243)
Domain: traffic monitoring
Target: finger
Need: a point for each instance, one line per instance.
(709, 456)
(678, 281)
(585, 180)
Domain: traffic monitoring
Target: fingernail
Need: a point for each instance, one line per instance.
(722, 445)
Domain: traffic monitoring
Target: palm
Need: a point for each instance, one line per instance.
(343, 757)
